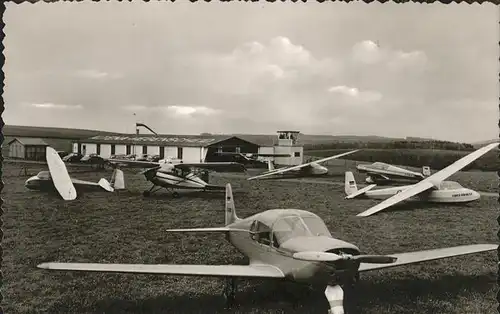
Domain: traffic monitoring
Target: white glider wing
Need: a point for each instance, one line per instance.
(256, 270)
(59, 174)
(405, 194)
(282, 170)
(432, 181)
(430, 255)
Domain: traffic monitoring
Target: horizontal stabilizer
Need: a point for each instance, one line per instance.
(430, 255)
(360, 192)
(259, 271)
(106, 185)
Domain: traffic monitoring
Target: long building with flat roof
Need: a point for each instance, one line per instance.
(189, 148)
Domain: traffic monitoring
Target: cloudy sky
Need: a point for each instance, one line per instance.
(332, 68)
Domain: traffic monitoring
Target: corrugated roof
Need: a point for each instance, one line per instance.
(184, 140)
(30, 141)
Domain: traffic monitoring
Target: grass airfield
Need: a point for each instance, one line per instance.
(127, 228)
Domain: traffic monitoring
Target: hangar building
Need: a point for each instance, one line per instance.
(192, 148)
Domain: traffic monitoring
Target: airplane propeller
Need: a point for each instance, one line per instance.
(332, 257)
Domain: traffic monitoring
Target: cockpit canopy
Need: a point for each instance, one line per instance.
(287, 227)
(44, 175)
(380, 165)
(450, 185)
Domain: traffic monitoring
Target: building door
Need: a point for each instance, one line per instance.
(128, 151)
(179, 152)
(144, 150)
(84, 149)
(162, 152)
(113, 149)
(98, 149)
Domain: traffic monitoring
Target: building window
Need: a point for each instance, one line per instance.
(113, 150)
(145, 150)
(238, 149)
(297, 154)
(128, 150)
(98, 149)
(162, 152)
(179, 152)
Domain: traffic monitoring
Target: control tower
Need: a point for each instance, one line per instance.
(288, 144)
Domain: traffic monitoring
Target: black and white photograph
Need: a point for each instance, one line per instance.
(250, 157)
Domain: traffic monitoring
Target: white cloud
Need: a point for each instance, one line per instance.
(48, 105)
(355, 93)
(191, 110)
(175, 109)
(96, 74)
(369, 52)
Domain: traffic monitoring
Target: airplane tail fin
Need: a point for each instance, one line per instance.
(426, 171)
(350, 183)
(230, 210)
(118, 179)
(106, 185)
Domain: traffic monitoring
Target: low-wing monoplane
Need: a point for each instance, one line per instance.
(309, 169)
(288, 244)
(430, 189)
(382, 173)
(58, 179)
(179, 176)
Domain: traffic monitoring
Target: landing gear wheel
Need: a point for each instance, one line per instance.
(176, 194)
(229, 292)
(146, 193)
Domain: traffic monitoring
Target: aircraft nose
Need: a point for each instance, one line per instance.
(476, 195)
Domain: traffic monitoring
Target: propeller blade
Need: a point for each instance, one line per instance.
(374, 259)
(332, 257)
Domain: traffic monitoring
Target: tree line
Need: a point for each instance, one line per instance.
(404, 144)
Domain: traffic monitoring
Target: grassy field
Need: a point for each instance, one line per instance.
(126, 228)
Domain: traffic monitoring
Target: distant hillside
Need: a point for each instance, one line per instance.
(482, 143)
(49, 132)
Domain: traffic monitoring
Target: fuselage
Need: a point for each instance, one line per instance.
(452, 194)
(279, 254)
(43, 182)
(377, 171)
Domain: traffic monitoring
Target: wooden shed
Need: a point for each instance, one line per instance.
(27, 148)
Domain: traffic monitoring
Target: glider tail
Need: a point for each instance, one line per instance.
(350, 183)
(118, 179)
(230, 210)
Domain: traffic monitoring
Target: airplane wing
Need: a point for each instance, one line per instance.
(214, 166)
(430, 255)
(133, 163)
(254, 270)
(431, 181)
(378, 175)
(215, 229)
(282, 170)
(405, 194)
(59, 174)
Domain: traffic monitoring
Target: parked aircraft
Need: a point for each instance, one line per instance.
(58, 179)
(182, 176)
(382, 173)
(289, 244)
(431, 189)
(308, 169)
(251, 158)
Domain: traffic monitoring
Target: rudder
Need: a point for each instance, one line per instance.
(230, 210)
(118, 179)
(350, 183)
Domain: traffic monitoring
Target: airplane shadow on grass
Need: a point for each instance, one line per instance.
(164, 194)
(264, 296)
